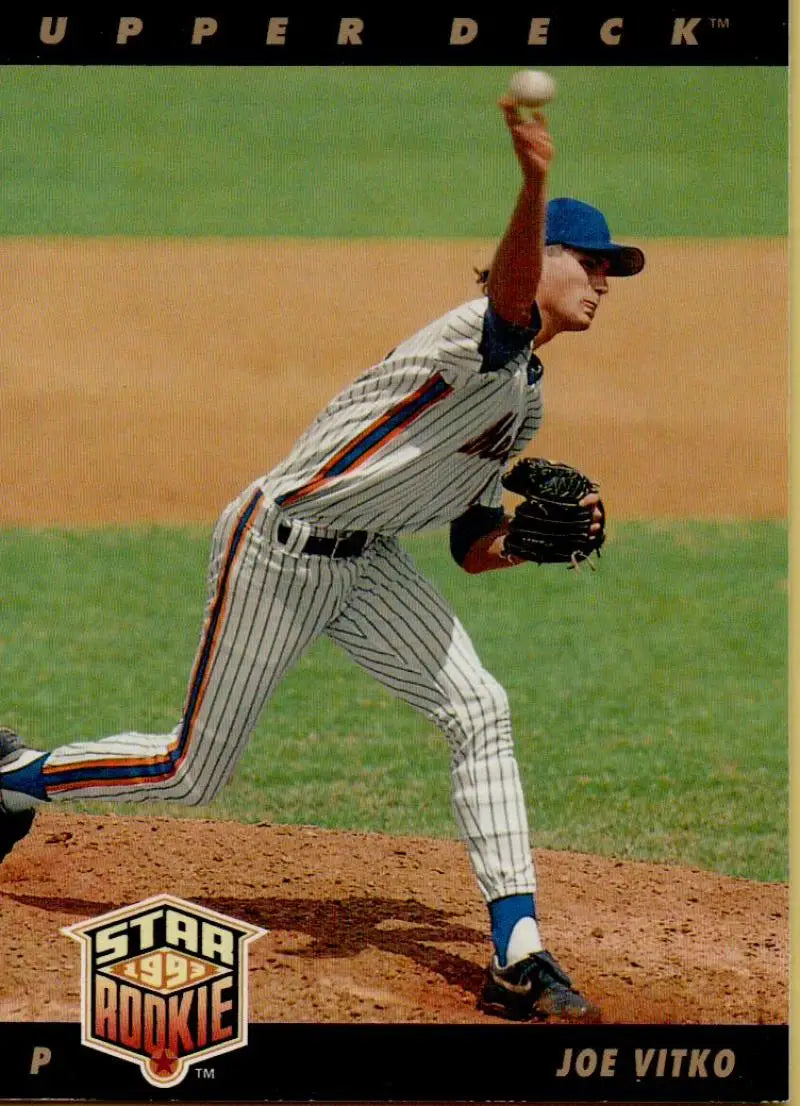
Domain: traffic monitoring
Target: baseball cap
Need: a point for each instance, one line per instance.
(574, 223)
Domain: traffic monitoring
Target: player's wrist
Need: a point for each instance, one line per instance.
(506, 558)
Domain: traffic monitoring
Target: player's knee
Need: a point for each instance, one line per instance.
(492, 700)
(194, 798)
(191, 787)
(482, 717)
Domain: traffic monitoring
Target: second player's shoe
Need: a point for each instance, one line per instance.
(534, 989)
(14, 824)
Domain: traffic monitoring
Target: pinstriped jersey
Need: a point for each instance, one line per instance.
(421, 436)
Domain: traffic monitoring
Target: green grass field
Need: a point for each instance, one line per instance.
(649, 697)
(391, 151)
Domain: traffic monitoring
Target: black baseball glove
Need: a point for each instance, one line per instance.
(549, 527)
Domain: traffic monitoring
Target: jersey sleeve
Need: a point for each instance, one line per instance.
(501, 341)
(474, 523)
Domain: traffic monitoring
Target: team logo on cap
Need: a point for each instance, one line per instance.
(164, 984)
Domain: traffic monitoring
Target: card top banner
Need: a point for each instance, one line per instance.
(551, 33)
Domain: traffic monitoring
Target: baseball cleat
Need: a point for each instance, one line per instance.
(14, 753)
(534, 989)
(11, 746)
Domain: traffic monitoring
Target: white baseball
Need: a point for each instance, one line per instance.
(531, 88)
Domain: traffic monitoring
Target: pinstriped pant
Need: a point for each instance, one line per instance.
(266, 605)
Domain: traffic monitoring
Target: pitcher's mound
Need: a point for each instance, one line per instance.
(364, 927)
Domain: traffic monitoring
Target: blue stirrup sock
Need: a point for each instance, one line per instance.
(27, 780)
(514, 930)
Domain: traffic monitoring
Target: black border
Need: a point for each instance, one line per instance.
(415, 1063)
(725, 34)
(409, 1063)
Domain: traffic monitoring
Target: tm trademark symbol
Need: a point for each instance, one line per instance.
(204, 1073)
(720, 24)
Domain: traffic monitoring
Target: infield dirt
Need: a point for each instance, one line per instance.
(364, 927)
(153, 380)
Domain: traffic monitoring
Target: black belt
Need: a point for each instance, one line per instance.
(350, 545)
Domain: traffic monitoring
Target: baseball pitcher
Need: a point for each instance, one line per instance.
(421, 440)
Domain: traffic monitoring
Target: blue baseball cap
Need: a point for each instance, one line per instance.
(574, 223)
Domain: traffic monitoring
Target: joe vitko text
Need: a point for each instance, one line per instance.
(647, 1063)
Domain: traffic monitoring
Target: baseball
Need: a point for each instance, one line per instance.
(531, 88)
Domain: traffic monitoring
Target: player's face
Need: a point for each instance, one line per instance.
(571, 286)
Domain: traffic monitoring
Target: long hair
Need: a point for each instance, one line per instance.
(482, 278)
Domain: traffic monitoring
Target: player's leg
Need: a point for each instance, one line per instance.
(264, 608)
(398, 627)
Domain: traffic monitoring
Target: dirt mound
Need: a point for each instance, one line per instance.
(364, 927)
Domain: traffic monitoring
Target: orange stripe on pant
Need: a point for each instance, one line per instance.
(80, 775)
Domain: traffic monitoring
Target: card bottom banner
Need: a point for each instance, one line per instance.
(45, 1061)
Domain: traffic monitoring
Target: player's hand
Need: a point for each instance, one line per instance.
(593, 500)
(488, 553)
(533, 143)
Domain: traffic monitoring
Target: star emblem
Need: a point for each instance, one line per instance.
(163, 1062)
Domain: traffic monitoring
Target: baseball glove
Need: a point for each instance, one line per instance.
(548, 526)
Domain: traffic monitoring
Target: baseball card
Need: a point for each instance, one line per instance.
(394, 668)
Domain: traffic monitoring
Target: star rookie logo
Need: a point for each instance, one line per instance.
(164, 984)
